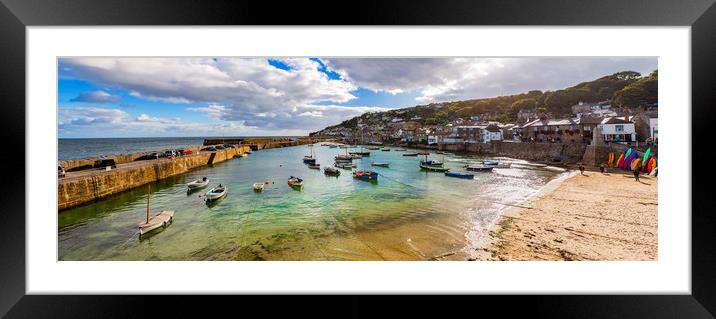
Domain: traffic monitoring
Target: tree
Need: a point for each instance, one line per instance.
(627, 75)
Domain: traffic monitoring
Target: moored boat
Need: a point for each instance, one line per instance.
(199, 183)
(374, 148)
(314, 166)
(366, 175)
(360, 153)
(309, 159)
(380, 164)
(401, 150)
(431, 163)
(423, 153)
(434, 168)
(344, 165)
(460, 175)
(258, 187)
(343, 158)
(478, 168)
(216, 193)
(162, 219)
(330, 170)
(385, 150)
(410, 154)
(295, 182)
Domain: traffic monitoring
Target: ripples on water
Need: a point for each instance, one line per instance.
(406, 215)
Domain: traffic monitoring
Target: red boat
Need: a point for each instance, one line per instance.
(314, 166)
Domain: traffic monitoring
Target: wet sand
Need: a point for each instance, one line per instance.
(583, 217)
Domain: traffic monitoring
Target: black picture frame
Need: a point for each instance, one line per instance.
(15, 15)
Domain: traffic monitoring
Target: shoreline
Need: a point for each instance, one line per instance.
(592, 217)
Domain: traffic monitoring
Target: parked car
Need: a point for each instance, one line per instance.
(209, 149)
(155, 155)
(105, 162)
(219, 147)
(169, 153)
(229, 146)
(186, 151)
(60, 171)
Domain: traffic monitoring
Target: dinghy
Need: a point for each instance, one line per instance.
(344, 165)
(460, 175)
(314, 166)
(162, 219)
(330, 170)
(481, 168)
(216, 193)
(410, 154)
(199, 183)
(295, 182)
(431, 163)
(380, 164)
(367, 175)
(434, 168)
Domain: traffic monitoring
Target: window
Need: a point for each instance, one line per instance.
(619, 128)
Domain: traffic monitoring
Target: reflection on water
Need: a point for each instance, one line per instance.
(407, 215)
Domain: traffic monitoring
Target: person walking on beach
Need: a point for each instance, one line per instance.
(602, 168)
(636, 174)
(581, 168)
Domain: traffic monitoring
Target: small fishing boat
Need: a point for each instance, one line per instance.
(314, 166)
(199, 183)
(385, 150)
(344, 165)
(380, 164)
(340, 159)
(374, 148)
(410, 154)
(356, 156)
(496, 164)
(330, 170)
(366, 175)
(431, 163)
(295, 182)
(460, 175)
(332, 146)
(162, 219)
(259, 187)
(216, 193)
(481, 168)
(423, 153)
(309, 159)
(360, 153)
(433, 168)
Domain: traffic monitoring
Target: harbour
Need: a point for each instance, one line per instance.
(402, 216)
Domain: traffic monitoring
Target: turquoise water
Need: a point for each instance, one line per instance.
(407, 215)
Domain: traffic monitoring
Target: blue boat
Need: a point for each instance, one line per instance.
(431, 163)
(367, 175)
(309, 160)
(459, 175)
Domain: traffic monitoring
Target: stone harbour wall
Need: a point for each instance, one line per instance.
(74, 191)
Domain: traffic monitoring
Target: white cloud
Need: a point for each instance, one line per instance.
(445, 79)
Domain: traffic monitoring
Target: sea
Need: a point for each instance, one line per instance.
(78, 148)
(407, 214)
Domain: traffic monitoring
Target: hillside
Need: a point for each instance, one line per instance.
(626, 89)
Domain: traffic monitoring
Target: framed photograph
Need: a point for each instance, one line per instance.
(484, 148)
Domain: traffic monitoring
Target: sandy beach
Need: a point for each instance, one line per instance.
(593, 216)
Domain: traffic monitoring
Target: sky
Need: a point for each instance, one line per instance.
(228, 96)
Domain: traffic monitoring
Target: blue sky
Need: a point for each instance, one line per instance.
(138, 97)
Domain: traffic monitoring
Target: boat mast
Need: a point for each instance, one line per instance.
(149, 192)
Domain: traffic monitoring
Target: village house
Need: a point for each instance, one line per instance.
(618, 130)
(524, 115)
(552, 130)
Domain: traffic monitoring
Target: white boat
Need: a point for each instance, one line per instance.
(259, 187)
(162, 219)
(216, 192)
(199, 183)
(344, 165)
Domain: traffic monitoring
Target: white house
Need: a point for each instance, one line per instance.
(654, 128)
(617, 129)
